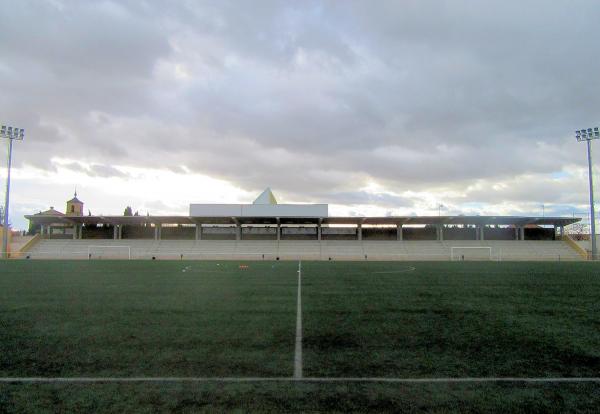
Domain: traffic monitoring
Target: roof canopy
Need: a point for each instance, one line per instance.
(46, 219)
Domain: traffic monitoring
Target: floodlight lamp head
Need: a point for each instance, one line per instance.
(587, 134)
(7, 131)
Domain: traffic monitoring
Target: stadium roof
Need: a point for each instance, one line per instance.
(392, 220)
(266, 211)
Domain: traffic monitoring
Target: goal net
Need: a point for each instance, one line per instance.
(459, 253)
(109, 252)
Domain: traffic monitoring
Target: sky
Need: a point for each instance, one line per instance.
(377, 108)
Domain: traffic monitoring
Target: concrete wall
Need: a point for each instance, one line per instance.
(137, 232)
(307, 233)
(419, 233)
(298, 233)
(215, 210)
(93, 232)
(259, 210)
(178, 233)
(539, 234)
(308, 250)
(218, 233)
(259, 233)
(339, 233)
(500, 233)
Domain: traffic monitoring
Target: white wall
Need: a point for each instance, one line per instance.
(259, 210)
(587, 244)
(215, 210)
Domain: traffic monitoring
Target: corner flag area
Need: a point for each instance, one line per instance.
(192, 336)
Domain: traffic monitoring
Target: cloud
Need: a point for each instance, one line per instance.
(318, 100)
(93, 170)
(364, 198)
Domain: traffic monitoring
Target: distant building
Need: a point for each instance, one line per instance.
(74, 206)
(52, 223)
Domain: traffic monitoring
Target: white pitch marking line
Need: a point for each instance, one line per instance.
(386, 272)
(410, 269)
(294, 379)
(298, 351)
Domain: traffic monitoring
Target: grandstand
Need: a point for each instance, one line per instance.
(266, 230)
(300, 250)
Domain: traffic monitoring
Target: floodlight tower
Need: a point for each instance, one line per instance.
(10, 133)
(588, 135)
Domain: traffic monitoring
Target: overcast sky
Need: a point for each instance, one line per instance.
(374, 107)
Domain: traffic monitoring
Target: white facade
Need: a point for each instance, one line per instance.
(259, 210)
(215, 210)
(264, 206)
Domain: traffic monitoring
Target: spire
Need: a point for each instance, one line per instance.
(75, 199)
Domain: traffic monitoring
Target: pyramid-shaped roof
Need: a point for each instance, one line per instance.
(266, 197)
(75, 200)
(50, 212)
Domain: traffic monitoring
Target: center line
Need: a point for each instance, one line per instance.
(298, 353)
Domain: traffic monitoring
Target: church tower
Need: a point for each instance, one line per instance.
(74, 206)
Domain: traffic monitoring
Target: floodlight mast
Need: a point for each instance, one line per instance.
(10, 133)
(588, 135)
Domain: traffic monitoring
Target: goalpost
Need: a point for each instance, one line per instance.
(109, 252)
(460, 253)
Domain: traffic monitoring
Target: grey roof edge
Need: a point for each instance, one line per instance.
(416, 220)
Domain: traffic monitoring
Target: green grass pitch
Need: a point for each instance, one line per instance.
(360, 319)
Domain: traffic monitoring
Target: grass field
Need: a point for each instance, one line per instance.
(360, 320)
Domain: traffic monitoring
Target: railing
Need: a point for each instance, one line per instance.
(580, 250)
(29, 244)
(144, 254)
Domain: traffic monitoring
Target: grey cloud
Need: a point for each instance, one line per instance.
(75, 166)
(106, 171)
(104, 39)
(535, 188)
(365, 198)
(95, 170)
(412, 95)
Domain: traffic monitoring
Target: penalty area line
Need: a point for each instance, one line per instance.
(304, 379)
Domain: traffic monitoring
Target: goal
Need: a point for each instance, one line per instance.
(109, 252)
(459, 253)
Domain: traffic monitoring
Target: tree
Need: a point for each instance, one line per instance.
(2, 217)
(579, 231)
(128, 211)
(33, 228)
